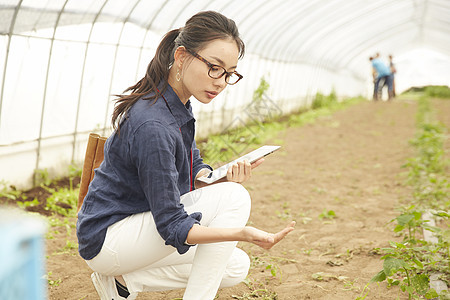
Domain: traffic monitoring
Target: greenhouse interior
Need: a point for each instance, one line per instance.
(63, 63)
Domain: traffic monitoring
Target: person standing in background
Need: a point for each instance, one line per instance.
(393, 71)
(383, 75)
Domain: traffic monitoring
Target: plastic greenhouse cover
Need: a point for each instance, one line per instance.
(61, 60)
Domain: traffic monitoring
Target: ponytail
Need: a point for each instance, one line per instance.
(199, 30)
(157, 71)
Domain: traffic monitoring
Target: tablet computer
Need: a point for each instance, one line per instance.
(251, 157)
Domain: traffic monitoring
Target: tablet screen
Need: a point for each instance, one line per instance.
(250, 157)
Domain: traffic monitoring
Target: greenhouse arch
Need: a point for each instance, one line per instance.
(62, 60)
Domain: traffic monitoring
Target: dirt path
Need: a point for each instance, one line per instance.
(348, 163)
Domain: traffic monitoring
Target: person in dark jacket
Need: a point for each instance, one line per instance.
(147, 223)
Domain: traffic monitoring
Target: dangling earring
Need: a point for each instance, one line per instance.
(178, 76)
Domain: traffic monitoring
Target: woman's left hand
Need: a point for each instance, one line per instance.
(242, 171)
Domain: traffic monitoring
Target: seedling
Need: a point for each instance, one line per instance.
(408, 264)
(330, 214)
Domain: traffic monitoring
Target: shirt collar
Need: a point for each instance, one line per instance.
(182, 113)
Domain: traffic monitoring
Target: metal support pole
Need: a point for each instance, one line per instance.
(11, 30)
(82, 78)
(38, 150)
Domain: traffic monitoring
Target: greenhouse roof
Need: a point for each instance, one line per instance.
(336, 34)
(62, 60)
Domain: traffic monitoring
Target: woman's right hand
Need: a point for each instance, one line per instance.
(264, 239)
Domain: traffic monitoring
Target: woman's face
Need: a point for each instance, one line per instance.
(195, 79)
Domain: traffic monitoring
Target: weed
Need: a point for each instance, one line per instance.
(330, 214)
(9, 192)
(410, 263)
(257, 291)
(74, 171)
(63, 201)
(322, 276)
(65, 223)
(286, 213)
(304, 218)
(41, 177)
(320, 190)
(268, 264)
(69, 248)
(52, 282)
(276, 197)
(438, 91)
(364, 293)
(323, 101)
(25, 204)
(266, 124)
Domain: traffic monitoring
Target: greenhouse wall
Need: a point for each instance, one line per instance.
(66, 92)
(62, 62)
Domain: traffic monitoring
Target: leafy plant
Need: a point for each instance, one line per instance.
(407, 264)
(439, 91)
(410, 263)
(232, 142)
(63, 201)
(269, 264)
(52, 282)
(9, 192)
(74, 171)
(257, 291)
(41, 177)
(260, 90)
(25, 204)
(330, 214)
(321, 100)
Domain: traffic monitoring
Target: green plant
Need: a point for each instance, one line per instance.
(51, 282)
(428, 169)
(65, 223)
(257, 291)
(269, 264)
(41, 177)
(410, 263)
(25, 204)
(63, 201)
(364, 293)
(330, 214)
(285, 213)
(439, 91)
(74, 171)
(407, 264)
(9, 192)
(320, 100)
(260, 90)
(225, 146)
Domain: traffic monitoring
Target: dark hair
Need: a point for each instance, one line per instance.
(200, 29)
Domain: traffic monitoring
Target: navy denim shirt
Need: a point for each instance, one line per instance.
(147, 167)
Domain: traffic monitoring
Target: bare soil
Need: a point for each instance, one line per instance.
(349, 163)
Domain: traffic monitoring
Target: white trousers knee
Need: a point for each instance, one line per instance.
(134, 249)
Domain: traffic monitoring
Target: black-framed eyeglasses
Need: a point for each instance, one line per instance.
(216, 71)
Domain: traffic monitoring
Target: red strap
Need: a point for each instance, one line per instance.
(191, 171)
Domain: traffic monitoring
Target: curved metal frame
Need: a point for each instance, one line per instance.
(10, 34)
(114, 62)
(82, 77)
(44, 97)
(281, 52)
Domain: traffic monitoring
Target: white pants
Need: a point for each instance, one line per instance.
(134, 249)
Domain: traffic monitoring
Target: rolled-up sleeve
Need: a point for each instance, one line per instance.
(153, 151)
